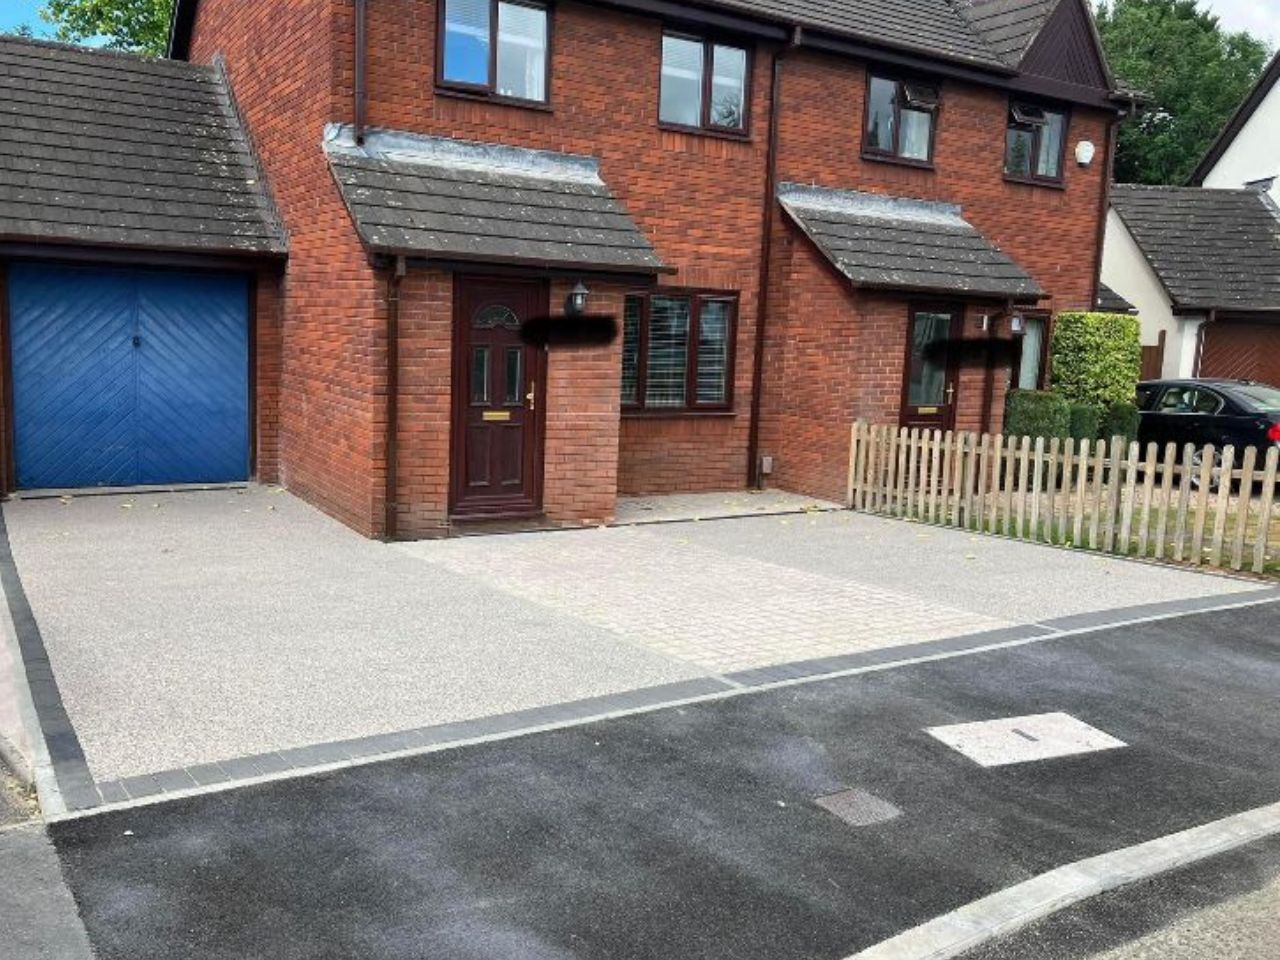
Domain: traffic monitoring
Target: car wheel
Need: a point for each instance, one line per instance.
(1197, 462)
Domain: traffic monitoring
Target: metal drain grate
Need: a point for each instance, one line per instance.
(858, 808)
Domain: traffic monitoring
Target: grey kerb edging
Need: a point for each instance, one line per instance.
(306, 760)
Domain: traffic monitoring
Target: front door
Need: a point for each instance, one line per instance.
(929, 393)
(497, 398)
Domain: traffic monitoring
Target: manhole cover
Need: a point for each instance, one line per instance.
(858, 808)
(997, 743)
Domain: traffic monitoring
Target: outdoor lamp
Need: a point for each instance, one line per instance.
(1017, 325)
(578, 299)
(1084, 152)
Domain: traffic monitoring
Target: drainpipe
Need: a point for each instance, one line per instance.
(1105, 204)
(361, 69)
(754, 476)
(393, 393)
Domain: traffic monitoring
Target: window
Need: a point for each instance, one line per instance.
(1190, 400)
(495, 47)
(1031, 353)
(900, 119)
(703, 84)
(677, 351)
(1034, 143)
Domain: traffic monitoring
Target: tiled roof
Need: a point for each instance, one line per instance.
(111, 149)
(1007, 26)
(1111, 302)
(933, 27)
(463, 201)
(898, 244)
(1212, 249)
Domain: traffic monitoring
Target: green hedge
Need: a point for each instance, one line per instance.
(1121, 420)
(1086, 422)
(1097, 357)
(1036, 413)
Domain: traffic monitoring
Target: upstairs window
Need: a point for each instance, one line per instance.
(703, 84)
(677, 352)
(1034, 143)
(495, 48)
(901, 117)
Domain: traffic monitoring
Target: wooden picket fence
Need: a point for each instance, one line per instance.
(1111, 497)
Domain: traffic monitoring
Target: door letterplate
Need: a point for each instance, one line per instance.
(497, 416)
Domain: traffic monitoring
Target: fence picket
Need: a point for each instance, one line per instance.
(1262, 540)
(935, 464)
(1220, 505)
(1166, 495)
(1062, 529)
(959, 474)
(1081, 495)
(1242, 507)
(899, 497)
(1127, 499)
(1185, 486)
(984, 468)
(1202, 506)
(1148, 495)
(913, 459)
(1037, 482)
(851, 481)
(1095, 496)
(944, 478)
(1112, 499)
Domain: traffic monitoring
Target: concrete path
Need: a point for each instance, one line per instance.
(38, 918)
(809, 821)
(212, 636)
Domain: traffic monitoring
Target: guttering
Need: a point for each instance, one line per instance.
(768, 219)
(1104, 207)
(360, 107)
(390, 522)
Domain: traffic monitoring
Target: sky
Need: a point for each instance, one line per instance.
(1259, 17)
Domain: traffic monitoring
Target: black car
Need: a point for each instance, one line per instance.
(1221, 412)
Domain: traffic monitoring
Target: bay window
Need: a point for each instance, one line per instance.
(677, 351)
(496, 48)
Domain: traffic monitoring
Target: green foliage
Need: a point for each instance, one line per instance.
(1086, 421)
(1196, 73)
(1121, 420)
(21, 30)
(1097, 357)
(138, 25)
(1036, 413)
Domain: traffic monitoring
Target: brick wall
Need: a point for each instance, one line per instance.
(697, 198)
(332, 369)
(268, 318)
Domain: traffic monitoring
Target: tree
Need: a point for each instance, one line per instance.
(1195, 72)
(138, 25)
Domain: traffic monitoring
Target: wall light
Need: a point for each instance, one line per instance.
(1084, 152)
(577, 303)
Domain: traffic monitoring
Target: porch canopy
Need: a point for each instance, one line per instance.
(457, 202)
(892, 243)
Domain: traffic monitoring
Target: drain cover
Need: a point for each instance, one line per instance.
(997, 743)
(859, 808)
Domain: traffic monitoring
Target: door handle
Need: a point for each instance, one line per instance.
(532, 396)
(951, 394)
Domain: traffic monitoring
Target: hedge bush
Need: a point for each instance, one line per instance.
(1036, 413)
(1121, 420)
(1086, 422)
(1097, 357)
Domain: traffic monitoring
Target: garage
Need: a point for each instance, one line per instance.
(128, 377)
(1241, 351)
(141, 264)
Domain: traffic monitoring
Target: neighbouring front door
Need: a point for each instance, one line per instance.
(929, 394)
(497, 398)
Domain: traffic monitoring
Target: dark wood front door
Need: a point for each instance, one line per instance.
(929, 390)
(497, 398)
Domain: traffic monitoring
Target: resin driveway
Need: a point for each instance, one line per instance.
(201, 637)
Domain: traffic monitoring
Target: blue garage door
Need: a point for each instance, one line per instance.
(124, 377)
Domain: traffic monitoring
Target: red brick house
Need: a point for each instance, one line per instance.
(796, 214)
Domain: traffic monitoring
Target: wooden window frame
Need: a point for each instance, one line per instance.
(488, 91)
(1037, 132)
(691, 406)
(705, 127)
(893, 155)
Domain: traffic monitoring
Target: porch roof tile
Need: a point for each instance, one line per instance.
(892, 243)
(458, 201)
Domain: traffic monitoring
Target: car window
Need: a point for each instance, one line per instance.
(1146, 397)
(1190, 400)
(1258, 395)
